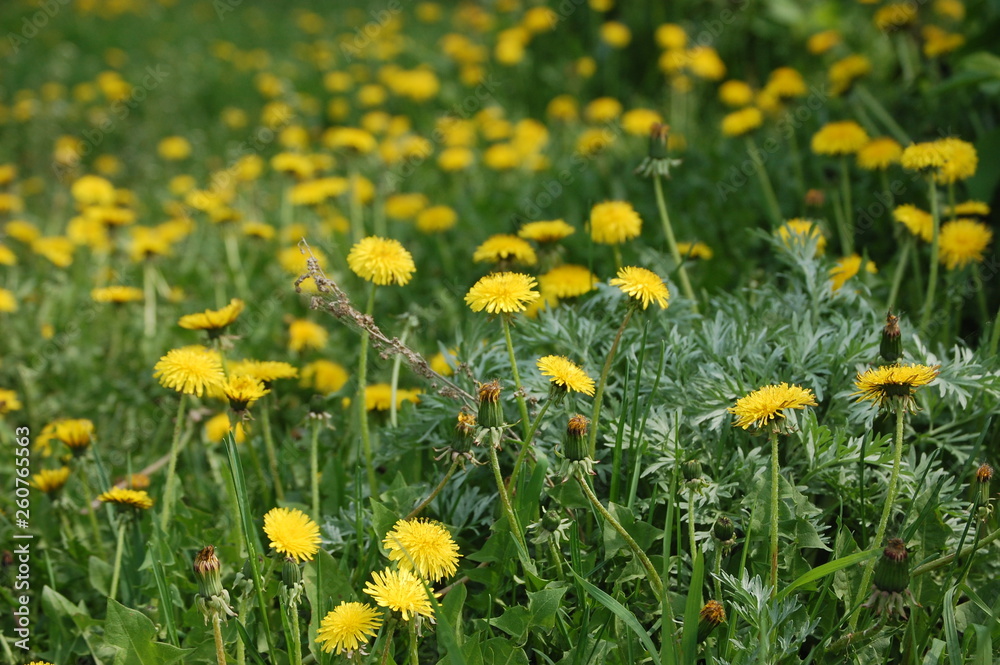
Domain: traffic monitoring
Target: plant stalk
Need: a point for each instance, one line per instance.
(668, 230)
(168, 497)
(366, 442)
(519, 393)
(437, 490)
(599, 395)
(775, 479)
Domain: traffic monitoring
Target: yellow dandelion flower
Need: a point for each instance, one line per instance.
(116, 294)
(847, 267)
(639, 122)
(22, 231)
(213, 320)
(567, 281)
(839, 138)
(57, 249)
(93, 190)
(9, 401)
(960, 160)
(349, 138)
(735, 93)
(267, 371)
(242, 391)
(436, 219)
(76, 433)
(546, 231)
(190, 370)
(821, 42)
(761, 407)
(378, 396)
(642, 285)
(704, 62)
(292, 533)
(887, 384)
(305, 334)
(504, 248)
(922, 156)
(503, 292)
(614, 222)
(938, 42)
(324, 376)
(919, 222)
(845, 72)
(50, 481)
(125, 498)
(968, 208)
(895, 16)
(381, 260)
(742, 122)
(695, 250)
(405, 205)
(785, 82)
(174, 148)
(801, 232)
(7, 256)
(602, 110)
(963, 241)
(400, 591)
(348, 627)
(879, 154)
(8, 303)
(219, 425)
(566, 374)
(258, 230)
(444, 363)
(615, 34)
(423, 547)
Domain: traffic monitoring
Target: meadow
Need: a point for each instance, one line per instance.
(501, 332)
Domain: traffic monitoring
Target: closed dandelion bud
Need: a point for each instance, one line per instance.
(723, 529)
(658, 141)
(711, 616)
(891, 347)
(983, 477)
(576, 446)
(892, 572)
(291, 574)
(691, 470)
(208, 570)
(465, 432)
(490, 410)
(551, 520)
(815, 198)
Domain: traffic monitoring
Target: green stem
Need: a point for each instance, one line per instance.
(661, 206)
(995, 334)
(366, 441)
(119, 548)
(947, 559)
(556, 558)
(389, 631)
(775, 479)
(932, 278)
(357, 223)
(845, 188)
(236, 263)
(220, 650)
(437, 490)
(879, 111)
(890, 499)
(529, 437)
(897, 278)
(148, 299)
(765, 183)
(272, 455)
(599, 395)
(515, 526)
(984, 315)
(718, 571)
(793, 142)
(693, 543)
(397, 361)
(294, 638)
(89, 495)
(519, 394)
(168, 497)
(414, 658)
(314, 467)
(651, 574)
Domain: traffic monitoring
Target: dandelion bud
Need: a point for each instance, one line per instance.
(815, 198)
(691, 470)
(983, 477)
(711, 616)
(892, 572)
(490, 410)
(576, 445)
(208, 570)
(291, 574)
(465, 432)
(658, 141)
(891, 347)
(723, 529)
(551, 520)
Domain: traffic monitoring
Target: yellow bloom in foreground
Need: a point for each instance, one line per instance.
(348, 627)
(190, 370)
(614, 222)
(885, 384)
(919, 222)
(50, 480)
(847, 267)
(116, 294)
(762, 406)
(213, 319)
(501, 248)
(742, 122)
(242, 391)
(839, 138)
(567, 281)
(546, 231)
(566, 374)
(137, 499)
(9, 401)
(381, 260)
(800, 232)
(423, 547)
(292, 533)
(502, 292)
(879, 153)
(642, 285)
(962, 242)
(401, 591)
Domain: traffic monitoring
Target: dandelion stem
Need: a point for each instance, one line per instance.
(528, 438)
(92, 512)
(651, 574)
(599, 395)
(845, 187)
(519, 393)
(437, 490)
(890, 499)
(294, 638)
(414, 657)
(897, 278)
(314, 467)
(220, 650)
(357, 223)
(661, 206)
(995, 334)
(168, 495)
(236, 263)
(148, 299)
(272, 455)
(932, 278)
(765, 183)
(948, 558)
(394, 383)
(876, 107)
(119, 548)
(793, 142)
(775, 479)
(718, 570)
(515, 526)
(366, 442)
(556, 558)
(692, 542)
(390, 629)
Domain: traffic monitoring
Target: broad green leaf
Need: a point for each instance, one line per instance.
(543, 605)
(57, 607)
(515, 621)
(133, 634)
(499, 651)
(383, 519)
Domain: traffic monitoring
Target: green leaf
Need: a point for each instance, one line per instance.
(515, 621)
(133, 635)
(643, 534)
(692, 608)
(383, 519)
(984, 645)
(99, 574)
(951, 628)
(58, 607)
(543, 605)
(499, 651)
(325, 588)
(622, 613)
(820, 572)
